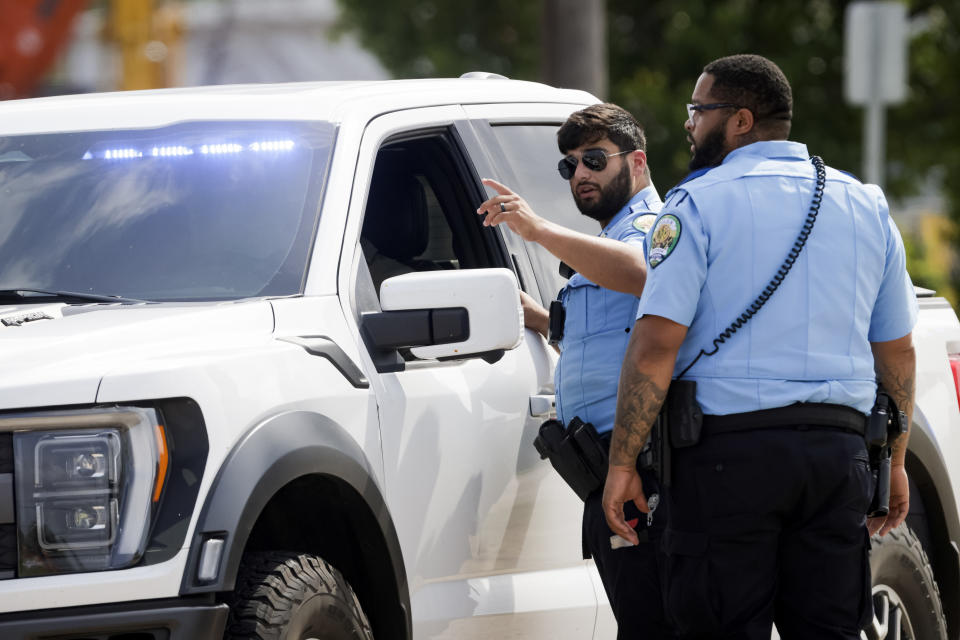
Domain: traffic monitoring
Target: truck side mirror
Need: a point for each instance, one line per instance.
(448, 314)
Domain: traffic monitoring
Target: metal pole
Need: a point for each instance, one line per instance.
(874, 117)
(575, 45)
(874, 142)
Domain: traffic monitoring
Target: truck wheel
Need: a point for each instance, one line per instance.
(906, 600)
(293, 596)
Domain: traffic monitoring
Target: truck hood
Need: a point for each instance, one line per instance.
(57, 354)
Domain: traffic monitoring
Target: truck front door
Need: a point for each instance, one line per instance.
(490, 535)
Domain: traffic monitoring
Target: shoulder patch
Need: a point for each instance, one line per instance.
(644, 222)
(664, 239)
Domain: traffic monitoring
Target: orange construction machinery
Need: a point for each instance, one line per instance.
(145, 33)
(32, 33)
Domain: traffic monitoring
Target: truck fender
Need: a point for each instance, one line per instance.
(271, 455)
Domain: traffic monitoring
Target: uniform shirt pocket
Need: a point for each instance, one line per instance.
(578, 297)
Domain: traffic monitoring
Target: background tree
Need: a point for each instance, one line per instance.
(445, 38)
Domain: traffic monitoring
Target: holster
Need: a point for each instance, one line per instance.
(684, 416)
(678, 425)
(655, 456)
(885, 425)
(576, 452)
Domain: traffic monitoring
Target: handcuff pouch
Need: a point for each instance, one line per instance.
(558, 315)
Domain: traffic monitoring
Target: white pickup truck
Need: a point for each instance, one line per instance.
(263, 374)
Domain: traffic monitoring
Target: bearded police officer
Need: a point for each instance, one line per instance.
(777, 287)
(605, 163)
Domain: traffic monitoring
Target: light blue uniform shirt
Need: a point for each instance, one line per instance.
(597, 327)
(720, 239)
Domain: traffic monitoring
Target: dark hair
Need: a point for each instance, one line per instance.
(753, 82)
(600, 121)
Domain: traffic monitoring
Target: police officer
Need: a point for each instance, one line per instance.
(767, 510)
(605, 163)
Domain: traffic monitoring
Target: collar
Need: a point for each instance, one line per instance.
(693, 175)
(778, 149)
(773, 149)
(643, 200)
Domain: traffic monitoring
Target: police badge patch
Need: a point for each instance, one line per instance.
(664, 239)
(643, 222)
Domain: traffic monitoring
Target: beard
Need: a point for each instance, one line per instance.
(711, 152)
(612, 198)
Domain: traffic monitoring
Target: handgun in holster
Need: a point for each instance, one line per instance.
(677, 426)
(576, 452)
(655, 455)
(885, 424)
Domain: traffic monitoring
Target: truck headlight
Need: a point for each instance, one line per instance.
(86, 485)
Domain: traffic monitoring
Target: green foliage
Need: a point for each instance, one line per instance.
(923, 143)
(658, 49)
(925, 274)
(445, 38)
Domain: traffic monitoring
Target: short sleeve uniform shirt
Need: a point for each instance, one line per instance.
(719, 240)
(597, 327)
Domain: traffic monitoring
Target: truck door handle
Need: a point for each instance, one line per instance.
(542, 405)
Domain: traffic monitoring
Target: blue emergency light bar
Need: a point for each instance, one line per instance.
(178, 151)
(121, 154)
(215, 149)
(165, 152)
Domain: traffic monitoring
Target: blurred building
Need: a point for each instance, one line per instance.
(215, 42)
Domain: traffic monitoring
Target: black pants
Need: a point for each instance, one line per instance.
(631, 574)
(769, 526)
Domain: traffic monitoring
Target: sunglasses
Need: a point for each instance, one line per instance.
(593, 159)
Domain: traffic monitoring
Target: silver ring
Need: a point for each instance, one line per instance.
(503, 209)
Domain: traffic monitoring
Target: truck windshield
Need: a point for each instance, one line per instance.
(193, 211)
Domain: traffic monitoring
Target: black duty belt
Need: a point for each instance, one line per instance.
(803, 413)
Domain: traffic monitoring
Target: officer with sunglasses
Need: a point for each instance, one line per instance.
(606, 166)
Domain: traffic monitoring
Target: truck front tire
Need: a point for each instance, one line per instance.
(904, 590)
(293, 596)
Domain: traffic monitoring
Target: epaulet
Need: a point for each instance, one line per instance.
(641, 208)
(675, 196)
(843, 175)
